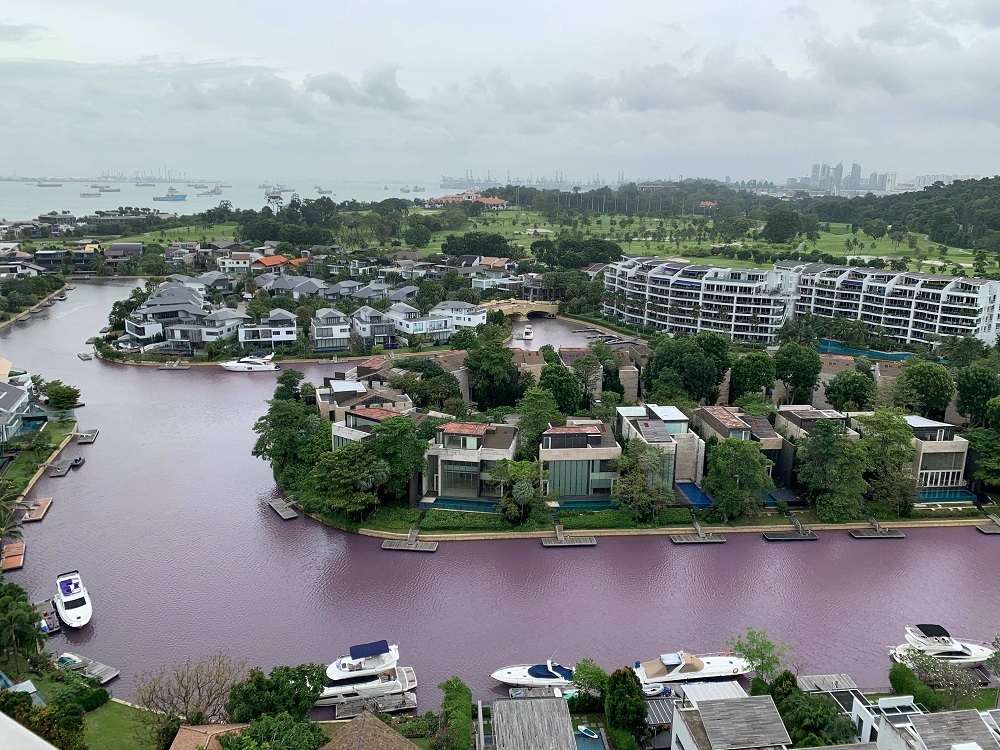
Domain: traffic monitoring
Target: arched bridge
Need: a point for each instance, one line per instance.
(522, 307)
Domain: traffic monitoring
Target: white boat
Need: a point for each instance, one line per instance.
(935, 641)
(368, 671)
(681, 666)
(71, 601)
(528, 333)
(549, 674)
(250, 364)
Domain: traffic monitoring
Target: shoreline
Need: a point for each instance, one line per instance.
(41, 469)
(27, 310)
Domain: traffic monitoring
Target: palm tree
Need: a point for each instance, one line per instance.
(19, 626)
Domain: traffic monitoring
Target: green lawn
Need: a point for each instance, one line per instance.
(185, 234)
(422, 742)
(112, 727)
(27, 462)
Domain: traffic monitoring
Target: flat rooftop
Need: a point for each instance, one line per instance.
(532, 724)
(724, 417)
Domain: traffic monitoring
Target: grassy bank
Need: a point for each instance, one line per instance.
(113, 726)
(23, 468)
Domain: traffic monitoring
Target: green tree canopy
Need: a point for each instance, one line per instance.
(417, 235)
(831, 469)
(781, 226)
(624, 704)
(61, 397)
(737, 479)
(564, 386)
(798, 368)
(751, 373)
(291, 690)
(850, 390)
(538, 409)
(276, 732)
(925, 388)
(977, 385)
(641, 487)
(395, 441)
(492, 375)
(765, 656)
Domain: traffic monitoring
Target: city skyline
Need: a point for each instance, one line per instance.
(397, 90)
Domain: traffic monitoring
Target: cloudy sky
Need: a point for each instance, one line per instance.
(379, 90)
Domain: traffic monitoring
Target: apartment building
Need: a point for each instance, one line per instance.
(744, 304)
(751, 304)
(579, 459)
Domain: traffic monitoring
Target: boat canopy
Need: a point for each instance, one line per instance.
(933, 631)
(556, 671)
(69, 585)
(363, 651)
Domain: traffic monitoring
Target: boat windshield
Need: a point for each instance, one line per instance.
(355, 680)
(74, 603)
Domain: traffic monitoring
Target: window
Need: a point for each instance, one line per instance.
(460, 478)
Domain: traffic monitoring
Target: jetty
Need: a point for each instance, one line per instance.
(36, 509)
(283, 508)
(801, 533)
(48, 614)
(561, 540)
(878, 531)
(535, 692)
(84, 437)
(85, 356)
(174, 366)
(60, 468)
(88, 667)
(411, 543)
(386, 705)
(699, 537)
(12, 556)
(992, 528)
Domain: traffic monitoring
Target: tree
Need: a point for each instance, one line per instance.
(831, 468)
(589, 678)
(395, 441)
(954, 684)
(61, 397)
(624, 704)
(959, 352)
(276, 732)
(993, 663)
(849, 390)
(464, 338)
(288, 690)
(20, 631)
(798, 368)
(492, 375)
(564, 387)
(924, 387)
(347, 478)
(588, 371)
(282, 432)
(196, 690)
(538, 409)
(417, 235)
(781, 226)
(977, 385)
(289, 386)
(886, 439)
(875, 228)
(765, 657)
(641, 487)
(520, 484)
(750, 374)
(737, 479)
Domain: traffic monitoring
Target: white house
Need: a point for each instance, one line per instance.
(238, 262)
(409, 322)
(279, 327)
(14, 403)
(461, 314)
(330, 330)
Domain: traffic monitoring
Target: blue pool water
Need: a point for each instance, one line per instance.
(693, 493)
(586, 743)
(828, 346)
(586, 504)
(946, 496)
(450, 503)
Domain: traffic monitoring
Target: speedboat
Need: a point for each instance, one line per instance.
(684, 667)
(71, 600)
(528, 333)
(250, 364)
(368, 671)
(548, 674)
(935, 641)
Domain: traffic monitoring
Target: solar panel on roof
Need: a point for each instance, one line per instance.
(369, 649)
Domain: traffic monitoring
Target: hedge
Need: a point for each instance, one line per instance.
(94, 699)
(621, 739)
(456, 712)
(905, 682)
(619, 518)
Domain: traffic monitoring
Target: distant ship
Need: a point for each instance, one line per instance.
(404, 190)
(201, 185)
(324, 191)
(48, 184)
(419, 189)
(145, 184)
(95, 185)
(90, 195)
(264, 186)
(217, 190)
(107, 189)
(172, 195)
(206, 194)
(225, 185)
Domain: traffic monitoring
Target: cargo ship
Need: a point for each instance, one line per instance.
(172, 195)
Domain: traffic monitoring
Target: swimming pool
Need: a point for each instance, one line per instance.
(829, 346)
(953, 495)
(694, 494)
(466, 504)
(588, 743)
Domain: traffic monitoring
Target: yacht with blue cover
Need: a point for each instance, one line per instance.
(368, 671)
(549, 674)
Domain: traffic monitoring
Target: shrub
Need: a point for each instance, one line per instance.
(905, 682)
(586, 703)
(759, 687)
(456, 713)
(784, 686)
(94, 699)
(621, 739)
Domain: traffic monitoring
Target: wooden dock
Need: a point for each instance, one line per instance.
(410, 544)
(699, 537)
(83, 437)
(535, 692)
(561, 540)
(100, 672)
(993, 528)
(801, 533)
(174, 366)
(59, 468)
(385, 705)
(877, 531)
(283, 508)
(48, 615)
(37, 510)
(12, 556)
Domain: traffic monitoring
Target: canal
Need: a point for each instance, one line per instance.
(168, 523)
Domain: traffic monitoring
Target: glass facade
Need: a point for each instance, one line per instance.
(459, 479)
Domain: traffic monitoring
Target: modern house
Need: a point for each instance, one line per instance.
(279, 327)
(667, 429)
(460, 457)
(217, 325)
(330, 331)
(527, 724)
(374, 327)
(173, 304)
(297, 286)
(409, 323)
(14, 404)
(218, 282)
(579, 459)
(461, 314)
(750, 723)
(276, 264)
(357, 425)
(948, 730)
(238, 263)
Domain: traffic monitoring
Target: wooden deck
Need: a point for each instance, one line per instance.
(696, 539)
(571, 541)
(59, 468)
(48, 614)
(100, 672)
(12, 556)
(388, 704)
(83, 437)
(405, 545)
(283, 508)
(993, 528)
(38, 510)
(790, 536)
(879, 534)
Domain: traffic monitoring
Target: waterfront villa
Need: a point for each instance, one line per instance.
(357, 424)
(665, 428)
(526, 724)
(374, 327)
(14, 405)
(460, 457)
(172, 304)
(329, 331)
(579, 459)
(408, 323)
(727, 723)
(460, 314)
(279, 327)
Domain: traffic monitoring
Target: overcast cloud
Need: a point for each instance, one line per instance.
(354, 89)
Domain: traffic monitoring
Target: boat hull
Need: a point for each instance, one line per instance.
(517, 675)
(236, 367)
(74, 618)
(715, 667)
(976, 658)
(400, 680)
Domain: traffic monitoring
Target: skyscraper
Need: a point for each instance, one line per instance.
(814, 179)
(838, 176)
(855, 181)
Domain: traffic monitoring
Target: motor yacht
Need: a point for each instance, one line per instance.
(71, 601)
(681, 666)
(549, 674)
(250, 364)
(528, 333)
(368, 671)
(935, 641)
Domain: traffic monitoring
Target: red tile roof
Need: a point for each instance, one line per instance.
(588, 429)
(376, 413)
(465, 428)
(298, 261)
(272, 260)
